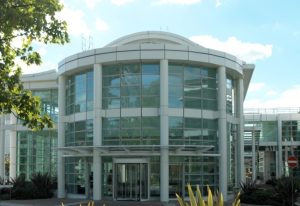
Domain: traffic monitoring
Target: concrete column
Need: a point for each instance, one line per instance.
(61, 193)
(87, 178)
(279, 163)
(13, 149)
(2, 146)
(222, 131)
(164, 132)
(97, 128)
(253, 155)
(240, 136)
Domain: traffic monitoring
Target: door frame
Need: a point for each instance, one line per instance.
(131, 161)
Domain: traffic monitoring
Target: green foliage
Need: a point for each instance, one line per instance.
(22, 189)
(31, 21)
(259, 196)
(198, 200)
(40, 186)
(248, 187)
(287, 190)
(280, 192)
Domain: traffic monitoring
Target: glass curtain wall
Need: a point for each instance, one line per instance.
(79, 92)
(36, 152)
(79, 133)
(193, 131)
(231, 155)
(192, 87)
(230, 95)
(78, 173)
(131, 86)
(49, 102)
(131, 131)
(291, 129)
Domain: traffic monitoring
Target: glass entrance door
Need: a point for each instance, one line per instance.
(131, 181)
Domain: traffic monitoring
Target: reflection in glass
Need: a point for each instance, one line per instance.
(135, 84)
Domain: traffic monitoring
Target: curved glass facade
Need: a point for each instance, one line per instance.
(79, 133)
(131, 131)
(192, 87)
(79, 92)
(130, 86)
(192, 131)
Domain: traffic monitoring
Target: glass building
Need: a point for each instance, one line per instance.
(270, 137)
(141, 117)
(32, 152)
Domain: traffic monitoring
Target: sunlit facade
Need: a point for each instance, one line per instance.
(31, 152)
(142, 117)
(147, 114)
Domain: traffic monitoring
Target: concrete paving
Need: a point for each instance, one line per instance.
(84, 202)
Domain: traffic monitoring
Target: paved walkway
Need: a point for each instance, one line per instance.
(77, 202)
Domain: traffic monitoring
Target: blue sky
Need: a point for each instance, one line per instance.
(263, 32)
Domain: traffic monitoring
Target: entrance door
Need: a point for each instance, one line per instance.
(131, 181)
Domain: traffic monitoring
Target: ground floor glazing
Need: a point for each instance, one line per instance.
(127, 178)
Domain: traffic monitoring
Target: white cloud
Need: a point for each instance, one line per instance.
(75, 20)
(288, 98)
(92, 3)
(101, 25)
(121, 2)
(271, 93)
(253, 87)
(249, 52)
(47, 65)
(218, 3)
(182, 2)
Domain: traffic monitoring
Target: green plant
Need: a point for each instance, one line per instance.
(248, 187)
(21, 189)
(42, 185)
(287, 190)
(199, 200)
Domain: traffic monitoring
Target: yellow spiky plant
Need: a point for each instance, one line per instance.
(199, 201)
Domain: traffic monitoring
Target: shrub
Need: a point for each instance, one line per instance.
(22, 189)
(287, 190)
(199, 201)
(42, 185)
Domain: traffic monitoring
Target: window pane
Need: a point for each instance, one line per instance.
(192, 91)
(111, 81)
(192, 103)
(131, 69)
(131, 80)
(175, 79)
(111, 103)
(133, 101)
(150, 68)
(175, 101)
(131, 91)
(111, 92)
(111, 70)
(150, 101)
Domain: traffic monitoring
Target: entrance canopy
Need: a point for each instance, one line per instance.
(136, 150)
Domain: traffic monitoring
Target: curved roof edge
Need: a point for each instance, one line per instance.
(45, 75)
(154, 37)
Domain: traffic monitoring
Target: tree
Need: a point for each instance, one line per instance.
(31, 21)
